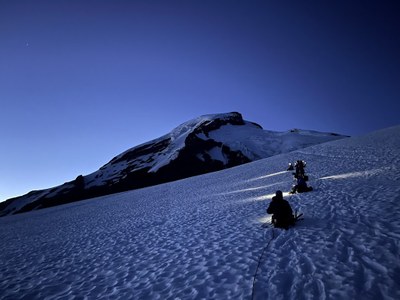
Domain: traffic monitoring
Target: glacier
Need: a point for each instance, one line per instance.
(202, 237)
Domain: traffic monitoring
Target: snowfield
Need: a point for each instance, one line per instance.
(201, 237)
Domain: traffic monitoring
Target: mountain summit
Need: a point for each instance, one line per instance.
(205, 144)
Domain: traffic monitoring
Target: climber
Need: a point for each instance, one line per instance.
(282, 214)
(301, 185)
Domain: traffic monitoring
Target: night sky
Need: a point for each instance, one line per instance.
(82, 81)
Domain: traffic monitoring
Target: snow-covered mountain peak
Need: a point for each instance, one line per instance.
(204, 144)
(183, 130)
(161, 151)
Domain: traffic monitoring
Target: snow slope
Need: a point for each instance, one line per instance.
(205, 144)
(201, 237)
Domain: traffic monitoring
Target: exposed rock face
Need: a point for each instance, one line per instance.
(206, 144)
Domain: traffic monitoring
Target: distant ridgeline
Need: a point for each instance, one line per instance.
(206, 144)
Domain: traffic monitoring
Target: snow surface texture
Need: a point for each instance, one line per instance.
(201, 238)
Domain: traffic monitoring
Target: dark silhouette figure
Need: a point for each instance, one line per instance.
(301, 185)
(299, 165)
(282, 214)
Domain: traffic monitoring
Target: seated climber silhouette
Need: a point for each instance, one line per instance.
(282, 214)
(301, 185)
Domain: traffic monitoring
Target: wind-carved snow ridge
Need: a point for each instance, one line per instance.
(201, 237)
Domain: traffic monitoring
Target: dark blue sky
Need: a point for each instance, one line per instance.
(82, 81)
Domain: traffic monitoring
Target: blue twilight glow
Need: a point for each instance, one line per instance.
(82, 81)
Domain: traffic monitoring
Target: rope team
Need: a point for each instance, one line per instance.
(282, 213)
